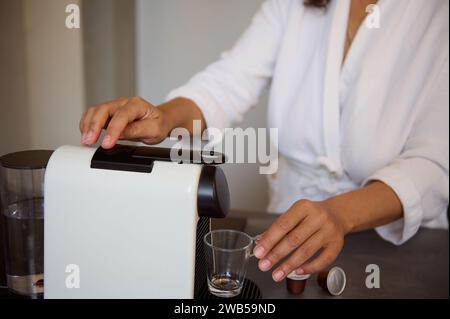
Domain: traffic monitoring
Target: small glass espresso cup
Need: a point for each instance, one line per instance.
(227, 254)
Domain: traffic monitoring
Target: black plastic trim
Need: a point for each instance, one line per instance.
(34, 159)
(185, 156)
(140, 159)
(120, 158)
(213, 196)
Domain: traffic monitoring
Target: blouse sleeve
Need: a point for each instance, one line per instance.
(419, 176)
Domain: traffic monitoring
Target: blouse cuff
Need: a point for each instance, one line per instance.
(401, 230)
(213, 114)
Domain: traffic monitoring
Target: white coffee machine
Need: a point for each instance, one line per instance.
(128, 222)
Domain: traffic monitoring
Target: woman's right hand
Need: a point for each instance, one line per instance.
(127, 119)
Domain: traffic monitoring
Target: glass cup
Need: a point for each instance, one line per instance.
(227, 255)
(22, 218)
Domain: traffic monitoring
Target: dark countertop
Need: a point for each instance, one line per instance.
(417, 269)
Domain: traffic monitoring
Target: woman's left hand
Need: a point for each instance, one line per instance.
(305, 229)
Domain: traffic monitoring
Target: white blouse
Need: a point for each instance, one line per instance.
(382, 115)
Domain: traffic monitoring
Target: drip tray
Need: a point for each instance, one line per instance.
(249, 291)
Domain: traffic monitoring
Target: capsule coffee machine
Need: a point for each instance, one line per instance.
(129, 222)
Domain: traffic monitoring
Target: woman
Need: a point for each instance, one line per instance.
(362, 115)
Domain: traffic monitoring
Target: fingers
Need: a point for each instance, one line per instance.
(126, 114)
(299, 257)
(146, 131)
(98, 121)
(324, 260)
(84, 124)
(290, 242)
(305, 229)
(283, 225)
(95, 118)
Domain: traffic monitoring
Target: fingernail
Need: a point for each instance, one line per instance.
(83, 138)
(87, 137)
(300, 271)
(265, 264)
(278, 275)
(258, 251)
(106, 141)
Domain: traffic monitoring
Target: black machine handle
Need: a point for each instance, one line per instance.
(213, 197)
(120, 158)
(140, 159)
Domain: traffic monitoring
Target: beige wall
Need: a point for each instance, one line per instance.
(54, 73)
(41, 77)
(14, 121)
(109, 49)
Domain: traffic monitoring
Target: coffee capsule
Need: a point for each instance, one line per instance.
(295, 284)
(333, 281)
